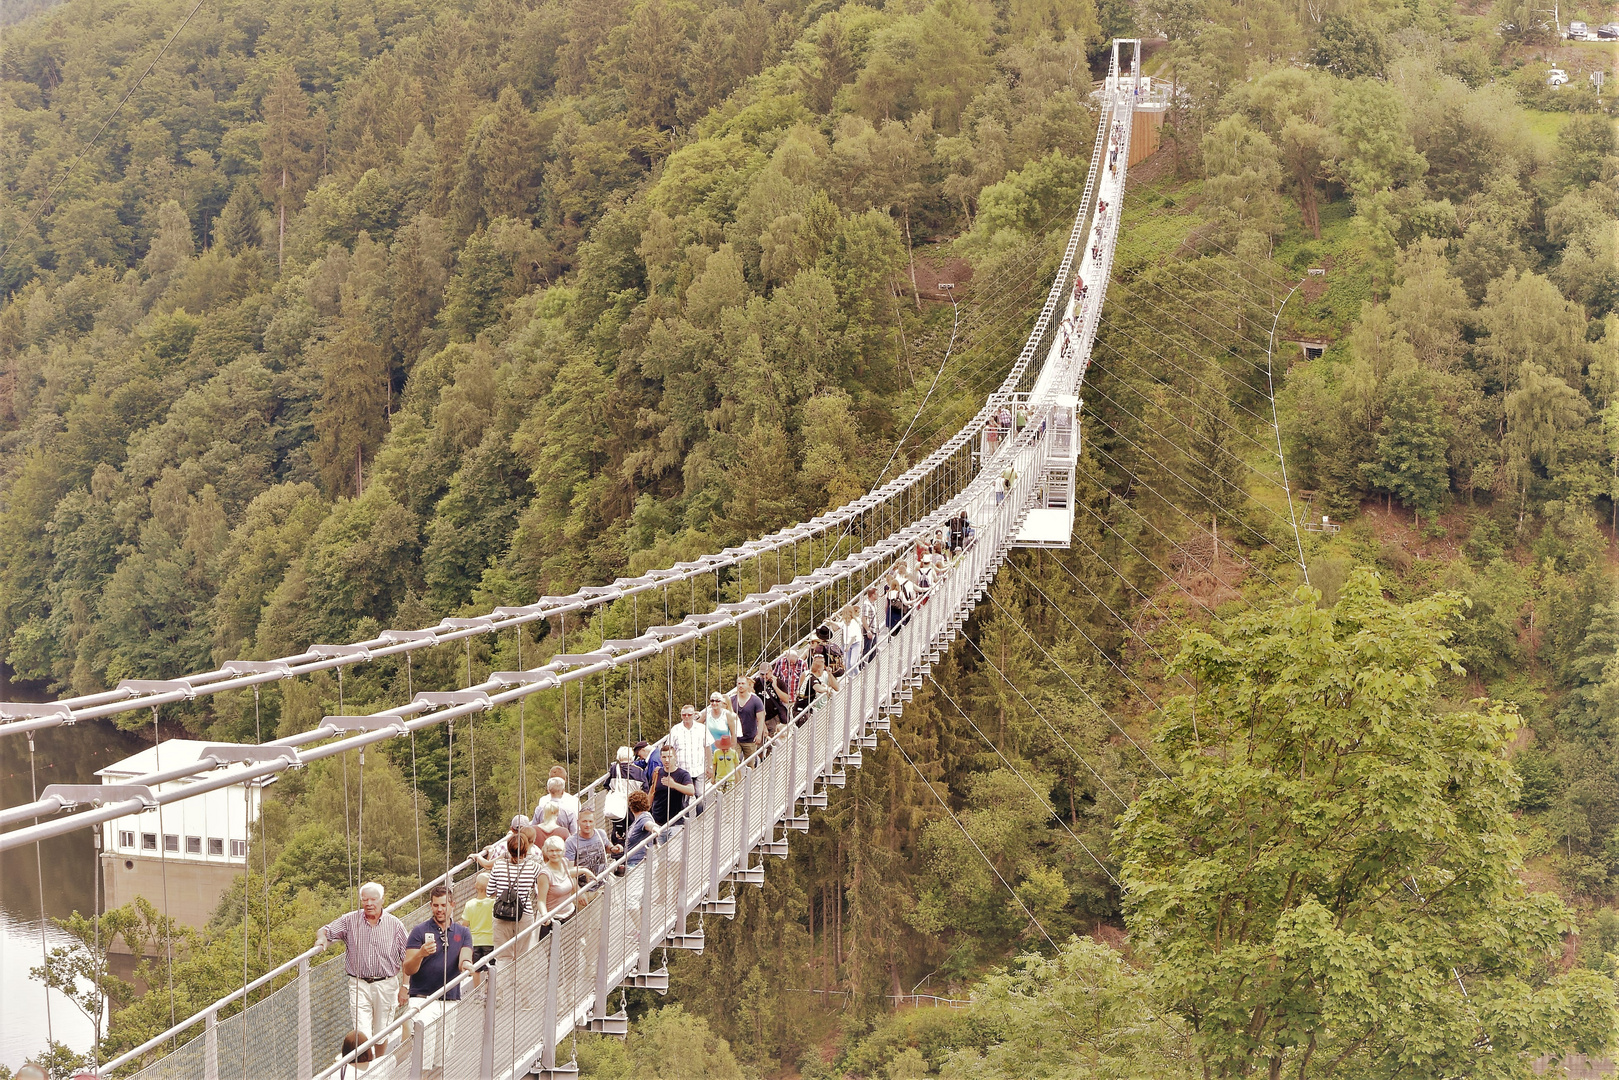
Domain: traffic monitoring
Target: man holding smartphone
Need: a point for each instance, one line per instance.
(436, 952)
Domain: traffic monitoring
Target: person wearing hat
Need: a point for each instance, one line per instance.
(643, 761)
(489, 854)
(624, 775)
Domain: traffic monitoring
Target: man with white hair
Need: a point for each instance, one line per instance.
(691, 737)
(556, 794)
(374, 943)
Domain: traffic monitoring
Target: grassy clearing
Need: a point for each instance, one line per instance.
(1545, 127)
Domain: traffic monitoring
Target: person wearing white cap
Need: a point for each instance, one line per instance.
(489, 854)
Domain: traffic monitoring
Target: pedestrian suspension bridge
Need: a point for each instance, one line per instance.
(1014, 482)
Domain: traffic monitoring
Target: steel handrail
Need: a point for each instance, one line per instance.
(213, 1009)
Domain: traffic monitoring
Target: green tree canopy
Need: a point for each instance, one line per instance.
(1350, 48)
(1329, 884)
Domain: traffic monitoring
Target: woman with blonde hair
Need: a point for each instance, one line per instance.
(549, 825)
(559, 883)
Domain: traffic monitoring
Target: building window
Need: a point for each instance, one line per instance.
(148, 841)
(171, 842)
(238, 849)
(126, 838)
(193, 845)
(216, 846)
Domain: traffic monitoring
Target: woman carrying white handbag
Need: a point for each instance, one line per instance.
(623, 777)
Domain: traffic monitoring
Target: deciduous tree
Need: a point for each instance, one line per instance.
(1329, 882)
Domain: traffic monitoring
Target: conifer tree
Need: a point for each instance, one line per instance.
(654, 50)
(351, 415)
(504, 149)
(288, 158)
(237, 227)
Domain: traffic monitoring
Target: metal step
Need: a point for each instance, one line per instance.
(839, 778)
(816, 800)
(747, 875)
(649, 980)
(800, 823)
(569, 1071)
(725, 905)
(692, 941)
(850, 760)
(868, 742)
(616, 1024)
(882, 723)
(778, 848)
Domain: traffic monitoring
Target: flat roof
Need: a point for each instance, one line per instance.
(171, 752)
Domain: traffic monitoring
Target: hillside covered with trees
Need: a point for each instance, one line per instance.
(363, 315)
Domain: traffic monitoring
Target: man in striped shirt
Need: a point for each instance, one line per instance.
(374, 943)
(789, 674)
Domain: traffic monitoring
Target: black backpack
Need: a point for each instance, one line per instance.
(508, 905)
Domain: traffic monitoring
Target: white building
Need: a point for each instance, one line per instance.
(191, 848)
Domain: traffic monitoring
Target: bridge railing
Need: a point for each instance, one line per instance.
(1040, 339)
(317, 991)
(576, 967)
(573, 972)
(900, 502)
(314, 1002)
(570, 973)
(907, 498)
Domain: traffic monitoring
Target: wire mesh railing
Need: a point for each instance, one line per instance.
(557, 978)
(293, 1030)
(229, 1043)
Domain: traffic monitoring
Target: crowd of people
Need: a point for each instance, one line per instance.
(538, 874)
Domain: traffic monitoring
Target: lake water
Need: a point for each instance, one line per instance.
(63, 755)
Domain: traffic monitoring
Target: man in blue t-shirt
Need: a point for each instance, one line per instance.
(750, 711)
(674, 786)
(436, 952)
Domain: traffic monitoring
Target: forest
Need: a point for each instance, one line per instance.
(367, 314)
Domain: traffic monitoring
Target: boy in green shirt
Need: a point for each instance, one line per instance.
(727, 759)
(479, 915)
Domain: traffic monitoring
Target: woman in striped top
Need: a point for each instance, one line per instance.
(515, 868)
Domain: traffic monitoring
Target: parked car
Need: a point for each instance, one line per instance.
(1608, 32)
(1556, 77)
(1578, 31)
